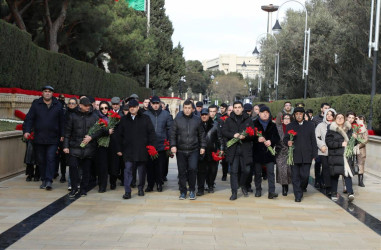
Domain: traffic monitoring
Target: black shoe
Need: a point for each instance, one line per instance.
(298, 200)
(29, 178)
(272, 195)
(112, 186)
(165, 179)
(73, 193)
(317, 185)
(258, 193)
(361, 180)
(127, 196)
(36, 178)
(63, 179)
(233, 196)
(250, 190)
(43, 185)
(160, 188)
(83, 193)
(48, 186)
(133, 185)
(200, 193)
(101, 190)
(211, 190)
(284, 190)
(141, 192)
(149, 189)
(223, 178)
(244, 191)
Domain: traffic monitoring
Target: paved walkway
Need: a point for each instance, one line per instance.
(161, 221)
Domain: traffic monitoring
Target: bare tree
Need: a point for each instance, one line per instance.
(228, 87)
(16, 13)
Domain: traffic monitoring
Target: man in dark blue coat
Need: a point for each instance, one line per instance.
(46, 119)
(262, 156)
(162, 122)
(135, 132)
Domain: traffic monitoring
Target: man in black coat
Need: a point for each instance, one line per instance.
(305, 150)
(162, 122)
(46, 119)
(135, 133)
(207, 167)
(76, 133)
(239, 155)
(262, 156)
(187, 142)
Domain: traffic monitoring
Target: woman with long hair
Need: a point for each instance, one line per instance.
(361, 148)
(320, 133)
(283, 170)
(338, 134)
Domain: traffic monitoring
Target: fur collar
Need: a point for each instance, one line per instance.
(342, 131)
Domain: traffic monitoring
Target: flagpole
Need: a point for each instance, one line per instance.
(148, 27)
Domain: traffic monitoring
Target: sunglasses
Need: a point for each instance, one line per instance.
(72, 103)
(103, 108)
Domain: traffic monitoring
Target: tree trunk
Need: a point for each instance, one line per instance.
(53, 27)
(16, 14)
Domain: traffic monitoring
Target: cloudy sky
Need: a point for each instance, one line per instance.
(208, 28)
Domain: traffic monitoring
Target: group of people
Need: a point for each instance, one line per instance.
(140, 144)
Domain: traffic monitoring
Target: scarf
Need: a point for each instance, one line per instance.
(264, 123)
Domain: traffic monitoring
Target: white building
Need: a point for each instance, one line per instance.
(233, 63)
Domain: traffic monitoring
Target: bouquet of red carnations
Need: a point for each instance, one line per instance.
(113, 120)
(249, 131)
(167, 148)
(152, 152)
(351, 143)
(290, 157)
(269, 148)
(218, 156)
(100, 124)
(224, 117)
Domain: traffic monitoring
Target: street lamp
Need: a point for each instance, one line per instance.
(373, 45)
(182, 79)
(276, 64)
(269, 9)
(307, 33)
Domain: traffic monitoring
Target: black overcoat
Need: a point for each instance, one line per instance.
(260, 151)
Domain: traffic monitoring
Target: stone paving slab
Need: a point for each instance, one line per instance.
(161, 221)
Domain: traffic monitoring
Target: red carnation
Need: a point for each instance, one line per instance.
(224, 117)
(217, 156)
(103, 122)
(250, 131)
(152, 152)
(19, 127)
(20, 114)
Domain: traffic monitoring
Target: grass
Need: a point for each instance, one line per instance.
(7, 126)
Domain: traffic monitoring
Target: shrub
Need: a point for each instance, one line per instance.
(25, 65)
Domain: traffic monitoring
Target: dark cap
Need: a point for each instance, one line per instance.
(125, 107)
(85, 101)
(298, 109)
(91, 99)
(115, 100)
(155, 98)
(47, 87)
(204, 111)
(224, 105)
(199, 104)
(133, 103)
(264, 108)
(247, 107)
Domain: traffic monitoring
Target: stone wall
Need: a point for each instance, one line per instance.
(12, 151)
(373, 156)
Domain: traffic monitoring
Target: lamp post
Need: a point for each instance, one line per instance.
(182, 79)
(373, 45)
(269, 9)
(276, 64)
(306, 54)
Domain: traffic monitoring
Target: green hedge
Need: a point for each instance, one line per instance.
(357, 103)
(25, 65)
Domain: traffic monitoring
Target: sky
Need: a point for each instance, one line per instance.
(208, 28)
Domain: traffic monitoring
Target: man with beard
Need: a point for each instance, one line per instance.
(162, 122)
(305, 150)
(46, 119)
(207, 167)
(187, 142)
(239, 155)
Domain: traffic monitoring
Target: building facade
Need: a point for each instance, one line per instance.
(233, 63)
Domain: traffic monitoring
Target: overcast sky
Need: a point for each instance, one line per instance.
(208, 28)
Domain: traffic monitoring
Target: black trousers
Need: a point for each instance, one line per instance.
(225, 167)
(102, 166)
(129, 165)
(165, 168)
(270, 176)
(155, 169)
(250, 176)
(32, 171)
(318, 170)
(187, 168)
(206, 172)
(300, 174)
(326, 173)
(74, 164)
(238, 165)
(347, 180)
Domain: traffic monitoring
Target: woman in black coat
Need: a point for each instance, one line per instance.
(338, 134)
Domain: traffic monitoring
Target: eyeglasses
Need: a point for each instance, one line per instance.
(72, 103)
(103, 108)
